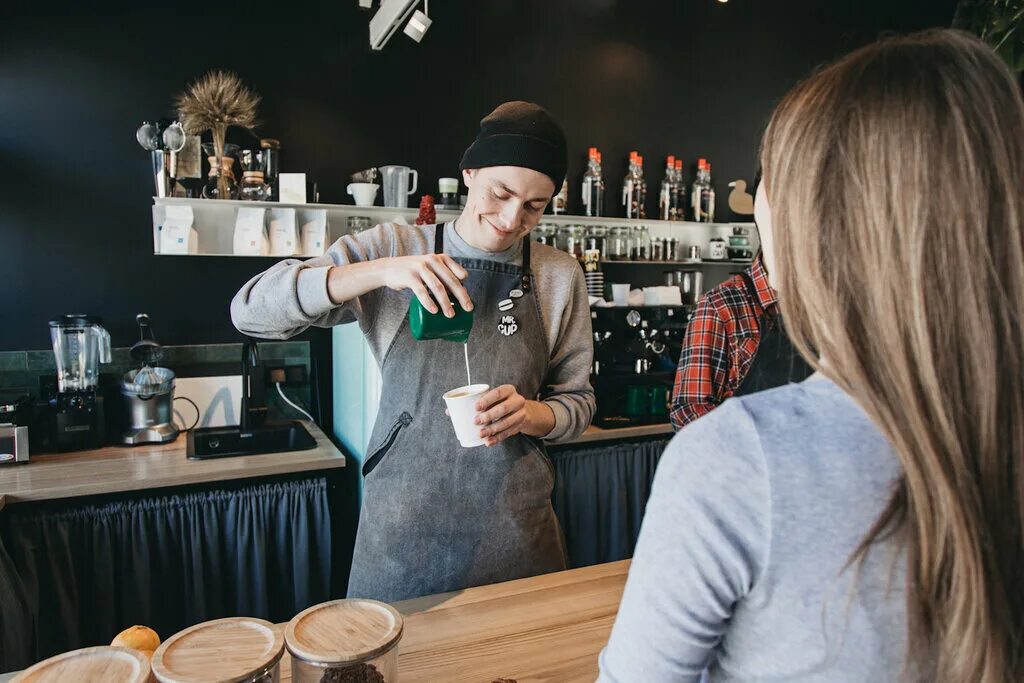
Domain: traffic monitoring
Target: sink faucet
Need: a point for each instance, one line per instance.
(254, 399)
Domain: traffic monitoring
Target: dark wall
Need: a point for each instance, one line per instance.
(692, 78)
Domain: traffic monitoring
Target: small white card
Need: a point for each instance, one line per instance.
(313, 232)
(250, 235)
(292, 188)
(283, 237)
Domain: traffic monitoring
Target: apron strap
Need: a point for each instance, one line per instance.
(439, 238)
(525, 280)
(526, 264)
(752, 290)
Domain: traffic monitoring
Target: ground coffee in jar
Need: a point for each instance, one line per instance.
(357, 673)
(350, 641)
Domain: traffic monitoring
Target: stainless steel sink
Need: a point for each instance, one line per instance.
(223, 442)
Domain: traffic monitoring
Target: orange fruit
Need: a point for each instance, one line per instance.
(137, 638)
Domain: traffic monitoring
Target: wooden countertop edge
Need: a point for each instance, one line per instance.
(594, 434)
(46, 477)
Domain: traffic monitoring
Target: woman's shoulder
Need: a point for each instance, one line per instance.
(811, 432)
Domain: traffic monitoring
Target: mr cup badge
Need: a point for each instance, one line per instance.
(508, 325)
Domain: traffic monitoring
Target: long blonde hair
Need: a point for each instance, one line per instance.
(896, 182)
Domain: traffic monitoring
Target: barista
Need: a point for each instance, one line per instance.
(735, 343)
(438, 517)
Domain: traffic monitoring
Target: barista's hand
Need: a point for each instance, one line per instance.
(504, 413)
(431, 274)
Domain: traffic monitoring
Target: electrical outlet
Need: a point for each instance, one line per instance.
(296, 374)
(287, 375)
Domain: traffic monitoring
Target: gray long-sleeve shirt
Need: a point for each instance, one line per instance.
(292, 295)
(741, 563)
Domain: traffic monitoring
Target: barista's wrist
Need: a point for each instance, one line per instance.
(540, 419)
(351, 280)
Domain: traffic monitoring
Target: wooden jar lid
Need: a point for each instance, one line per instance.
(219, 651)
(343, 631)
(90, 665)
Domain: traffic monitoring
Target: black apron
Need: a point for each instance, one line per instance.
(438, 517)
(776, 361)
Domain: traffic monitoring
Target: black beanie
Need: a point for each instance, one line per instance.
(520, 134)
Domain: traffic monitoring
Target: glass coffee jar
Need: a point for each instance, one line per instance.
(619, 245)
(345, 641)
(101, 663)
(597, 237)
(571, 237)
(240, 649)
(358, 224)
(545, 233)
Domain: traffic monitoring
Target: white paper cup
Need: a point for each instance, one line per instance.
(620, 294)
(461, 404)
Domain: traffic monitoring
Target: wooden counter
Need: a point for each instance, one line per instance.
(115, 469)
(546, 628)
(594, 434)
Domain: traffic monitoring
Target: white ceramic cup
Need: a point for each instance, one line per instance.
(365, 193)
(461, 404)
(620, 294)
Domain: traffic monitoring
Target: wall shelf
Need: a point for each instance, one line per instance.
(705, 262)
(214, 222)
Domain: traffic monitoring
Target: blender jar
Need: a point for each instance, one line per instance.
(80, 344)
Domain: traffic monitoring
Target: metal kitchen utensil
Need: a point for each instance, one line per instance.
(174, 137)
(147, 352)
(148, 136)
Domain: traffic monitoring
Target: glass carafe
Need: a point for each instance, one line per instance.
(80, 344)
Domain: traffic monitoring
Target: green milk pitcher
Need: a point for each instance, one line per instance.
(427, 325)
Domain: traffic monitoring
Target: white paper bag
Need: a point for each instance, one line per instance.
(177, 236)
(284, 239)
(250, 235)
(313, 232)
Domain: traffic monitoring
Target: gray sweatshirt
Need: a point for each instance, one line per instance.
(292, 295)
(740, 566)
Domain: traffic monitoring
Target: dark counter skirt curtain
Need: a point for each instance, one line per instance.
(16, 623)
(169, 561)
(600, 495)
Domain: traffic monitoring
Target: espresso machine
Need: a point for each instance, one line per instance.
(636, 350)
(75, 418)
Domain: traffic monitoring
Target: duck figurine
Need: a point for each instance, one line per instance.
(740, 201)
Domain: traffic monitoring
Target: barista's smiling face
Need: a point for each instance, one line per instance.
(504, 204)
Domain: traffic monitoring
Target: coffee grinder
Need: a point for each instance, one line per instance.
(80, 344)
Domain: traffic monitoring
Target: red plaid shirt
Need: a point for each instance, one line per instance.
(720, 343)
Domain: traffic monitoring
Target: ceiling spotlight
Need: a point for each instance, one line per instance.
(418, 24)
(389, 16)
(366, 4)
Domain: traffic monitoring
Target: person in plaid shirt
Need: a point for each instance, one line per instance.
(735, 342)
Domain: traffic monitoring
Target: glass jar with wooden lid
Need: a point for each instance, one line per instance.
(89, 665)
(345, 641)
(231, 650)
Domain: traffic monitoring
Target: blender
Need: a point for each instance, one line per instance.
(80, 344)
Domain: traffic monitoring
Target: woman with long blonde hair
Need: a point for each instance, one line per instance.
(867, 524)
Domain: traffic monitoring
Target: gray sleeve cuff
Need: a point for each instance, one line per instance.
(311, 287)
(563, 421)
